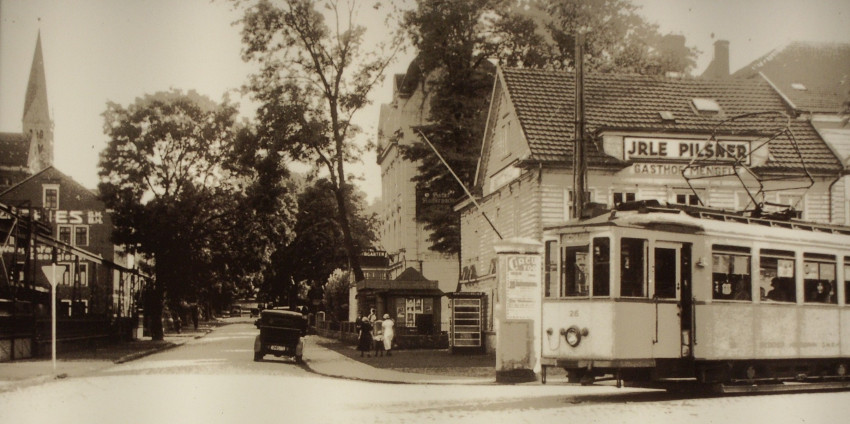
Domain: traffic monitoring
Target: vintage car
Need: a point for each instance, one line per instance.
(281, 333)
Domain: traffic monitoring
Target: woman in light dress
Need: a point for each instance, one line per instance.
(387, 327)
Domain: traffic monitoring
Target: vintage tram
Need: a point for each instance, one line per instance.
(670, 296)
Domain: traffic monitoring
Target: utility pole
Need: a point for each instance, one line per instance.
(579, 156)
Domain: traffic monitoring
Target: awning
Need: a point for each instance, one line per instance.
(402, 291)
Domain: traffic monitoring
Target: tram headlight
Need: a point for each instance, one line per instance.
(573, 336)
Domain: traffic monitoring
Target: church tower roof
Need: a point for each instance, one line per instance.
(37, 124)
(35, 102)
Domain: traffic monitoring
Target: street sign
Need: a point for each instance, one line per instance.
(54, 275)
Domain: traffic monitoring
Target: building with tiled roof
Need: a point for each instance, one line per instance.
(30, 151)
(812, 77)
(728, 144)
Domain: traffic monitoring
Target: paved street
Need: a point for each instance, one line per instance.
(214, 379)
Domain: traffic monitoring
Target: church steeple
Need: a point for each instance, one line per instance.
(36, 121)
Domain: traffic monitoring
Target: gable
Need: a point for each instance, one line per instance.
(504, 144)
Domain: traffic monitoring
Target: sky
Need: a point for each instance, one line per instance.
(116, 50)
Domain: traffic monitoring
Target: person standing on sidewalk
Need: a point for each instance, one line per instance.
(387, 326)
(364, 337)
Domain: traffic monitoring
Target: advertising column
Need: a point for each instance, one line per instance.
(516, 312)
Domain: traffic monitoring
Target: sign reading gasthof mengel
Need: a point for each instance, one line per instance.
(643, 148)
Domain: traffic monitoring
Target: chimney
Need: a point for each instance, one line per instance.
(720, 64)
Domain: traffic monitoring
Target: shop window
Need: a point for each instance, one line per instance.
(777, 276)
(67, 274)
(551, 274)
(794, 201)
(730, 271)
(81, 235)
(416, 312)
(574, 271)
(65, 234)
(632, 267)
(569, 196)
(819, 278)
(50, 195)
(623, 197)
(84, 274)
(601, 267)
(688, 197)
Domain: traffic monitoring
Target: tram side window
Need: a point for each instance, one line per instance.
(777, 276)
(574, 271)
(551, 275)
(819, 278)
(632, 267)
(601, 266)
(730, 271)
(847, 280)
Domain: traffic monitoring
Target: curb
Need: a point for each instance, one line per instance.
(170, 345)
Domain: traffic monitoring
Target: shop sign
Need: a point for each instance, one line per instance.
(676, 169)
(69, 216)
(42, 253)
(428, 199)
(522, 283)
(637, 148)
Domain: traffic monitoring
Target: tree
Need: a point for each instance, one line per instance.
(618, 38)
(455, 41)
(178, 177)
(318, 249)
(320, 75)
(336, 295)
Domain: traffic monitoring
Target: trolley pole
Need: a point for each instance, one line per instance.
(579, 156)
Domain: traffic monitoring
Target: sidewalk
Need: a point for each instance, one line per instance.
(32, 371)
(331, 358)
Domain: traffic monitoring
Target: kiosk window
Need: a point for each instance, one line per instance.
(819, 278)
(601, 266)
(574, 271)
(730, 271)
(777, 276)
(633, 267)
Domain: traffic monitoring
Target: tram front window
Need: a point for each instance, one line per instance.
(777, 276)
(601, 264)
(574, 271)
(632, 267)
(730, 270)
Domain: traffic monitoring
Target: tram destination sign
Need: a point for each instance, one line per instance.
(684, 150)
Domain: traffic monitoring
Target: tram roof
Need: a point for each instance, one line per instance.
(652, 215)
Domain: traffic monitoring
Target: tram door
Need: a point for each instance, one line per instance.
(668, 281)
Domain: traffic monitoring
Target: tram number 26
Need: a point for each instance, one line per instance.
(573, 313)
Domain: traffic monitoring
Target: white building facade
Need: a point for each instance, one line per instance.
(401, 236)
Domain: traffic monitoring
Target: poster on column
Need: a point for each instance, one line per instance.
(522, 286)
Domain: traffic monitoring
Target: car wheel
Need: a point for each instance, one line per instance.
(258, 356)
(299, 359)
